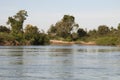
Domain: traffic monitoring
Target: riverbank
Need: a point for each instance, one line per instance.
(72, 42)
(52, 42)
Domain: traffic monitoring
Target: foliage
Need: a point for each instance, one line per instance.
(41, 39)
(64, 27)
(103, 30)
(74, 36)
(81, 32)
(31, 32)
(93, 33)
(6, 37)
(108, 41)
(33, 35)
(30, 36)
(52, 29)
(16, 22)
(4, 29)
(118, 26)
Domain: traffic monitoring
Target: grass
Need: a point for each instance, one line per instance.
(108, 41)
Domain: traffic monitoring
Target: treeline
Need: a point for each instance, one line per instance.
(66, 29)
(105, 35)
(16, 35)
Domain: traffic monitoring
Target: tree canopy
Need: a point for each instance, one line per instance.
(16, 35)
(103, 29)
(4, 29)
(64, 27)
(16, 22)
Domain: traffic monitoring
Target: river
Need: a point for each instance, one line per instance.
(63, 62)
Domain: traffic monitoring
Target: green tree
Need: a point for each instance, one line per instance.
(92, 32)
(16, 22)
(34, 36)
(113, 31)
(4, 29)
(64, 27)
(31, 31)
(52, 29)
(118, 26)
(81, 32)
(103, 30)
(41, 39)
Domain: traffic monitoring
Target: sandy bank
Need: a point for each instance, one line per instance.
(69, 43)
(60, 42)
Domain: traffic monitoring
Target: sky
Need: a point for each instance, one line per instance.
(43, 13)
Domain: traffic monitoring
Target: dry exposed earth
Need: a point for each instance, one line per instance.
(69, 43)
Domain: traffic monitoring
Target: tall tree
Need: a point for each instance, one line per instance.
(64, 27)
(16, 22)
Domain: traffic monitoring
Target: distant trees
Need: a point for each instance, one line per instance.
(118, 26)
(81, 32)
(31, 31)
(34, 36)
(4, 34)
(52, 29)
(105, 35)
(93, 33)
(16, 22)
(103, 30)
(16, 35)
(64, 27)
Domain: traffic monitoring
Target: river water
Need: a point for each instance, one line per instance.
(63, 62)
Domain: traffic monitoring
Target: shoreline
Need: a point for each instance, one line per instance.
(58, 42)
(54, 42)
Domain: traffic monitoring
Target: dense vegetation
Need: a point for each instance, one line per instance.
(66, 29)
(105, 35)
(16, 35)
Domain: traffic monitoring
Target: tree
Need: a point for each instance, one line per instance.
(4, 29)
(81, 32)
(74, 36)
(118, 26)
(31, 31)
(35, 37)
(52, 29)
(93, 33)
(16, 22)
(64, 27)
(103, 30)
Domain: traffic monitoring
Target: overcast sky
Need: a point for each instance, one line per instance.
(42, 13)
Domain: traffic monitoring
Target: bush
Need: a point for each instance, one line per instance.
(40, 39)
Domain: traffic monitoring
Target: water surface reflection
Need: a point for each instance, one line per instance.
(72, 62)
